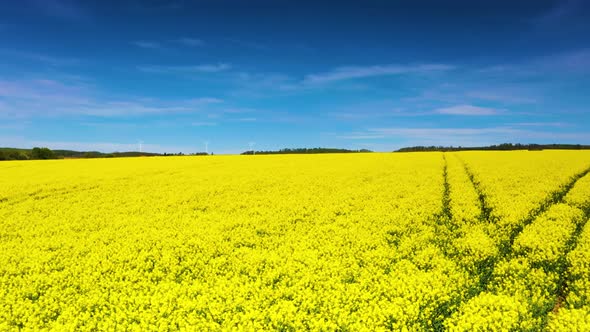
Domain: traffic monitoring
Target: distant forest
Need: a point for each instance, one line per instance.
(45, 153)
(499, 147)
(306, 151)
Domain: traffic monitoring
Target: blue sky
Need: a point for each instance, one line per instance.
(101, 75)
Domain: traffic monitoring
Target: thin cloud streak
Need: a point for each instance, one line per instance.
(31, 98)
(245, 120)
(42, 58)
(560, 64)
(361, 136)
(204, 68)
(355, 72)
(101, 146)
(147, 44)
(192, 42)
(467, 136)
(469, 110)
(249, 44)
(203, 124)
(571, 62)
(558, 13)
(108, 147)
(504, 97)
(434, 132)
(60, 9)
(542, 124)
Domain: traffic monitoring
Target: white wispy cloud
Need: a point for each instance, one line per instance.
(374, 109)
(147, 44)
(354, 72)
(439, 132)
(60, 8)
(42, 58)
(106, 147)
(203, 124)
(39, 94)
(439, 136)
(157, 6)
(558, 13)
(558, 64)
(249, 44)
(577, 61)
(398, 137)
(468, 110)
(542, 124)
(133, 107)
(43, 97)
(204, 100)
(211, 68)
(203, 68)
(245, 120)
(22, 142)
(193, 42)
(457, 136)
(501, 96)
(361, 136)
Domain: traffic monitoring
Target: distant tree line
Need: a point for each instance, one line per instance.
(499, 147)
(38, 153)
(306, 151)
(26, 154)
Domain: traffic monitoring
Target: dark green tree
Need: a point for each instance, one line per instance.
(42, 153)
(16, 155)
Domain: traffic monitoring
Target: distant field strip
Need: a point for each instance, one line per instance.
(456, 241)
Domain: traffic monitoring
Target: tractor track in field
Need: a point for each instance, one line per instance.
(554, 197)
(448, 228)
(446, 200)
(563, 265)
(485, 216)
(446, 222)
(505, 247)
(485, 208)
(565, 278)
(444, 227)
(42, 194)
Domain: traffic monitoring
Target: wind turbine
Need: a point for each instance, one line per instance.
(251, 144)
(140, 143)
(207, 147)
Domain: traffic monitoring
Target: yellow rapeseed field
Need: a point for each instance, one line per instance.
(463, 241)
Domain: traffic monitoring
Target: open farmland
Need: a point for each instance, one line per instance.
(423, 241)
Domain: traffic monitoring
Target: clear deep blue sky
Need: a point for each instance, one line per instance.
(103, 75)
